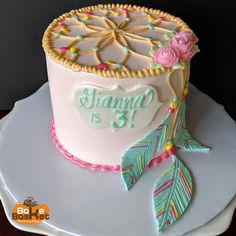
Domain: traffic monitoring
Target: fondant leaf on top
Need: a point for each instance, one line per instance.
(182, 138)
(171, 194)
(137, 157)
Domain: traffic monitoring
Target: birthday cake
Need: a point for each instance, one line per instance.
(118, 77)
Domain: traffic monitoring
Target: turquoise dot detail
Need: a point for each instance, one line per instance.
(175, 99)
(74, 54)
(150, 38)
(74, 17)
(170, 142)
(150, 26)
(80, 36)
(95, 48)
(58, 33)
(125, 49)
(119, 66)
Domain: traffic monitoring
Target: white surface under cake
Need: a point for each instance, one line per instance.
(83, 202)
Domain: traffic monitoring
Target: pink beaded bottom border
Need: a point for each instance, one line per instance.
(84, 164)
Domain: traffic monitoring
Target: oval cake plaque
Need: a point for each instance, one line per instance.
(116, 108)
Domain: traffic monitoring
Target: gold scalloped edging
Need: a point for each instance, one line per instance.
(93, 69)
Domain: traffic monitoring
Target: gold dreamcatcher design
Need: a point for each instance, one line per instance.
(110, 33)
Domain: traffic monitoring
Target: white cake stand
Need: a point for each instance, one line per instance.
(83, 202)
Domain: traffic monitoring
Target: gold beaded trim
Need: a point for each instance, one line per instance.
(148, 72)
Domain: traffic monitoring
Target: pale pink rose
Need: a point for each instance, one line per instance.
(190, 36)
(184, 45)
(166, 56)
(188, 54)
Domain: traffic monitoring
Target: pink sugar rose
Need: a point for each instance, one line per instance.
(166, 56)
(190, 36)
(184, 42)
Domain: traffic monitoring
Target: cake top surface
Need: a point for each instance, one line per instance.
(111, 40)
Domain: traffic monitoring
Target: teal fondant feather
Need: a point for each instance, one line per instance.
(171, 194)
(137, 157)
(182, 138)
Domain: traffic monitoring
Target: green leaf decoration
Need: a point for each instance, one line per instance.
(174, 31)
(137, 157)
(163, 42)
(179, 65)
(169, 36)
(171, 194)
(152, 51)
(154, 65)
(182, 138)
(196, 48)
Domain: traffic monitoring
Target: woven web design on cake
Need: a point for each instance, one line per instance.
(133, 32)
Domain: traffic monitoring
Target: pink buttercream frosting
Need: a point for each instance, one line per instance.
(191, 36)
(179, 48)
(166, 56)
(184, 42)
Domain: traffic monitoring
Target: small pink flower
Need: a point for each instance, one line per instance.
(190, 36)
(125, 10)
(62, 25)
(171, 111)
(161, 18)
(183, 42)
(102, 66)
(63, 49)
(166, 56)
(88, 13)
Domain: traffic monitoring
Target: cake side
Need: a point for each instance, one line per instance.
(87, 46)
(97, 144)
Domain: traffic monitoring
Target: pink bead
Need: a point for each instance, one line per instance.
(171, 110)
(63, 49)
(125, 10)
(88, 13)
(102, 66)
(62, 25)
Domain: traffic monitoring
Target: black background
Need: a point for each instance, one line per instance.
(22, 61)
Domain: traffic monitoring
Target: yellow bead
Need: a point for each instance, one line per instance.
(109, 62)
(65, 30)
(150, 18)
(86, 17)
(169, 146)
(116, 13)
(185, 91)
(73, 49)
(173, 105)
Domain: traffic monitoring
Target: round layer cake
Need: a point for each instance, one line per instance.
(116, 72)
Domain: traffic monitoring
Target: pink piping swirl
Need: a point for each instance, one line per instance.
(116, 168)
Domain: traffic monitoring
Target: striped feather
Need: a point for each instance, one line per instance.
(182, 138)
(137, 157)
(171, 194)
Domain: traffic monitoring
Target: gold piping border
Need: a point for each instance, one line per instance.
(74, 66)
